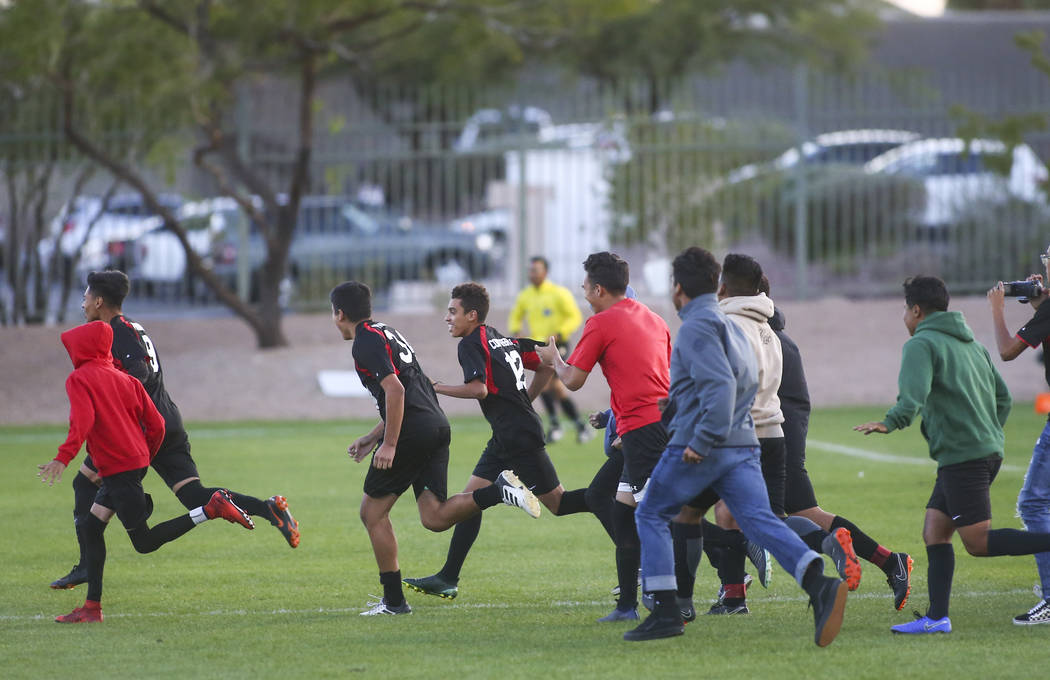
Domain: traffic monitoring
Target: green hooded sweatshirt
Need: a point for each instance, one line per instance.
(948, 377)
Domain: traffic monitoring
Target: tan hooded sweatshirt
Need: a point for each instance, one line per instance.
(751, 313)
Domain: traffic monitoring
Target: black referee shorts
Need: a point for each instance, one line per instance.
(123, 494)
(420, 461)
(533, 468)
(962, 490)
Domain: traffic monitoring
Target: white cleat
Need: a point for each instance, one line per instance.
(514, 493)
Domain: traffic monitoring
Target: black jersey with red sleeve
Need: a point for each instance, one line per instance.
(1037, 332)
(134, 353)
(380, 350)
(501, 362)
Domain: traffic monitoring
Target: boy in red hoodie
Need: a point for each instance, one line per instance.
(123, 429)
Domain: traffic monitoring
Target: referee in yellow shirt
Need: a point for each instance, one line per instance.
(549, 309)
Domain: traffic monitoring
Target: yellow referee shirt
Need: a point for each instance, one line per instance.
(548, 310)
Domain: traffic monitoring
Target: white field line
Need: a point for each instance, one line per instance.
(883, 457)
(556, 604)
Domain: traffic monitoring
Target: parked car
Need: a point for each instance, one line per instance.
(125, 218)
(957, 175)
(849, 147)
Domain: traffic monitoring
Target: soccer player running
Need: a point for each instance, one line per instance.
(633, 346)
(550, 310)
(948, 378)
(134, 352)
(1033, 501)
(124, 430)
(494, 374)
(714, 379)
(410, 443)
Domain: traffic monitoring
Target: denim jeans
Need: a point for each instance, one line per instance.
(736, 474)
(1033, 502)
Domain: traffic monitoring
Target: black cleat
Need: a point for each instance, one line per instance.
(76, 576)
(899, 578)
(656, 627)
(720, 608)
(283, 520)
(828, 607)
(433, 585)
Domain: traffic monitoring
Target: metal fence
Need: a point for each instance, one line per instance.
(837, 184)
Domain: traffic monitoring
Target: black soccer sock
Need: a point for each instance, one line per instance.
(146, 539)
(940, 568)
(687, 550)
(810, 532)
(463, 537)
(865, 546)
(572, 502)
(487, 496)
(392, 593)
(811, 578)
(1016, 542)
(548, 404)
(714, 553)
(568, 407)
(92, 528)
(252, 505)
(84, 492)
(194, 494)
(731, 570)
(715, 535)
(601, 492)
(628, 555)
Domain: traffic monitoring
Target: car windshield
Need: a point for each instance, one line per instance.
(359, 220)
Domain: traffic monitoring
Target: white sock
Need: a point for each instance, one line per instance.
(198, 516)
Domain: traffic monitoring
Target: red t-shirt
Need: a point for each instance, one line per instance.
(633, 346)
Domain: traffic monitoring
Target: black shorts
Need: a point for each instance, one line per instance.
(798, 490)
(642, 448)
(173, 462)
(123, 494)
(961, 491)
(420, 461)
(707, 498)
(774, 472)
(534, 469)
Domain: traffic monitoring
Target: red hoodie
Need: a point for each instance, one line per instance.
(107, 407)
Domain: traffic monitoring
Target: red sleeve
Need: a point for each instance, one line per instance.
(590, 347)
(531, 360)
(81, 417)
(152, 421)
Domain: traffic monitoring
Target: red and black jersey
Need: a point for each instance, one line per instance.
(380, 350)
(501, 362)
(134, 353)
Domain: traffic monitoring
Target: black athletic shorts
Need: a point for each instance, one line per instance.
(123, 494)
(774, 471)
(534, 469)
(642, 448)
(961, 491)
(173, 462)
(798, 490)
(420, 461)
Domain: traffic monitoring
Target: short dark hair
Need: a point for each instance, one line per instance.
(741, 274)
(763, 285)
(473, 298)
(353, 298)
(543, 260)
(111, 285)
(696, 271)
(608, 270)
(929, 292)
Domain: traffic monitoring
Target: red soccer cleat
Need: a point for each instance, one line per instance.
(81, 615)
(222, 505)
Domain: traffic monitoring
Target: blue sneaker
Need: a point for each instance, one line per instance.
(923, 625)
(620, 615)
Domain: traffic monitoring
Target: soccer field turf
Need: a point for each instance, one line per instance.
(223, 602)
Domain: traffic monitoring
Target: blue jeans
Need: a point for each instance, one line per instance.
(736, 474)
(1033, 502)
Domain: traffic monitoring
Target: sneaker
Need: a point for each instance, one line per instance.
(514, 493)
(76, 576)
(283, 520)
(686, 608)
(620, 615)
(923, 625)
(584, 434)
(1040, 613)
(828, 607)
(763, 562)
(554, 434)
(81, 615)
(379, 607)
(720, 608)
(838, 545)
(899, 578)
(433, 585)
(656, 627)
(221, 505)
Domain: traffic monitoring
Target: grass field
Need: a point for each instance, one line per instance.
(221, 602)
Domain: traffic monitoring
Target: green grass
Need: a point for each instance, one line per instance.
(224, 603)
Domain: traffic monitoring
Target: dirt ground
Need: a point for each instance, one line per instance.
(851, 352)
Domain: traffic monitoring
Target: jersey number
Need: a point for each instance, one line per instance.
(153, 363)
(406, 350)
(517, 367)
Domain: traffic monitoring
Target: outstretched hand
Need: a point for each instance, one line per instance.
(50, 472)
(868, 428)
